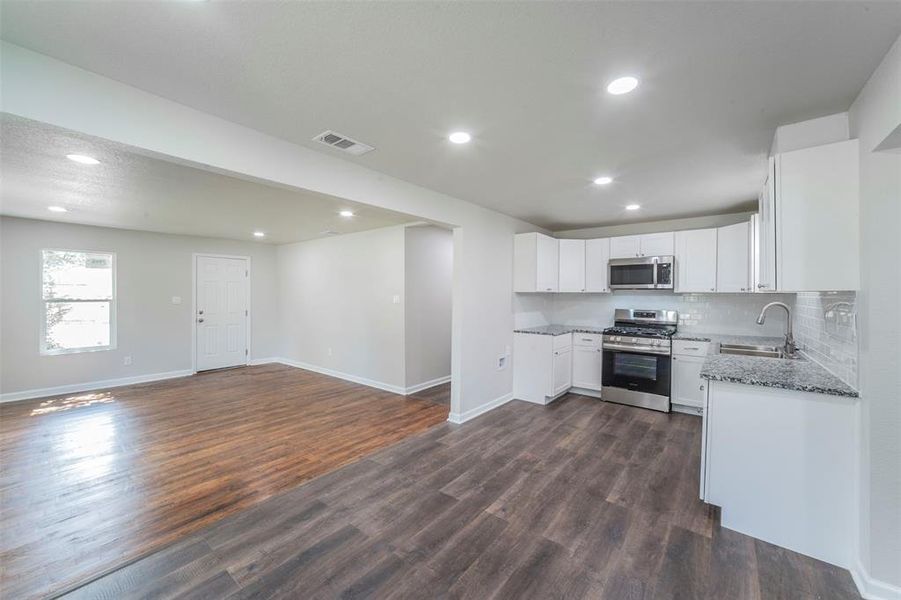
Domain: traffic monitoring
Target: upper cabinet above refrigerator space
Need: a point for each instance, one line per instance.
(636, 246)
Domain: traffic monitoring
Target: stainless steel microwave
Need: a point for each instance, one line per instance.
(645, 273)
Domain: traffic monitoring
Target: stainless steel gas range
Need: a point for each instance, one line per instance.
(636, 355)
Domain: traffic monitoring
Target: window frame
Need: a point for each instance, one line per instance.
(113, 306)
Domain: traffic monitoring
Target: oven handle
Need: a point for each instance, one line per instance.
(637, 350)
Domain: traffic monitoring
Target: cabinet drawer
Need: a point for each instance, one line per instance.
(591, 340)
(563, 341)
(690, 348)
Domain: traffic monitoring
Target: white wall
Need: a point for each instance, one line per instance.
(151, 268)
(336, 298)
(41, 88)
(875, 114)
(428, 281)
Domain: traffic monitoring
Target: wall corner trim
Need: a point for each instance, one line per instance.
(395, 389)
(412, 389)
(479, 410)
(873, 589)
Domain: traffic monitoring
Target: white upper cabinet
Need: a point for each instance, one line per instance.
(572, 265)
(627, 246)
(817, 218)
(657, 244)
(535, 263)
(733, 272)
(765, 246)
(649, 244)
(597, 255)
(695, 254)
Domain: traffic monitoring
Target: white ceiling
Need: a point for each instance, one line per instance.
(527, 79)
(133, 191)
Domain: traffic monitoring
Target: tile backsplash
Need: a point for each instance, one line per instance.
(699, 313)
(825, 323)
(826, 331)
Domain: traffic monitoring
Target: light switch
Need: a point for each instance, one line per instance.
(396, 299)
(176, 299)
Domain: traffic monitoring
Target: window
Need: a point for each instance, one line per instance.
(79, 301)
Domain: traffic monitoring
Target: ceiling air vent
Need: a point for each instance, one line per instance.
(342, 142)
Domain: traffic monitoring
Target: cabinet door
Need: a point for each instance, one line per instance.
(587, 367)
(696, 260)
(572, 265)
(657, 244)
(627, 246)
(687, 385)
(732, 258)
(766, 233)
(597, 255)
(817, 216)
(563, 370)
(547, 264)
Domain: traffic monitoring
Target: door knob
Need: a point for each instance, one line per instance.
(200, 320)
(199, 312)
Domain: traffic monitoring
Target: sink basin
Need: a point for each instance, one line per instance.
(747, 350)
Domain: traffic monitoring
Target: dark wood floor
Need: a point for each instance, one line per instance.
(94, 480)
(580, 499)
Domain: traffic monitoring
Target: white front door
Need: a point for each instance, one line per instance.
(221, 312)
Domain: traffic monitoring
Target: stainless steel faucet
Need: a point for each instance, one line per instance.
(789, 347)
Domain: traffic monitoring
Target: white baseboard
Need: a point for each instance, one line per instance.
(873, 589)
(426, 385)
(688, 410)
(263, 361)
(480, 410)
(396, 389)
(89, 386)
(584, 392)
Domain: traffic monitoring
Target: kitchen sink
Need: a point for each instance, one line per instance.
(748, 350)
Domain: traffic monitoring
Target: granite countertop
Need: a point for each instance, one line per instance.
(795, 374)
(559, 329)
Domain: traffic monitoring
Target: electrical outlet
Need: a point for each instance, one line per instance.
(176, 299)
(126, 360)
(329, 351)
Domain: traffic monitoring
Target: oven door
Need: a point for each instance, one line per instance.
(632, 273)
(637, 372)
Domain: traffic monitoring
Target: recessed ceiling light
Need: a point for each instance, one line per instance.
(346, 213)
(83, 159)
(259, 234)
(633, 206)
(622, 85)
(459, 137)
(603, 180)
(57, 209)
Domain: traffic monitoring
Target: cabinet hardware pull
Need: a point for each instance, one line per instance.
(692, 348)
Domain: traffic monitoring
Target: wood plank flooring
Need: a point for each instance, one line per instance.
(580, 499)
(91, 481)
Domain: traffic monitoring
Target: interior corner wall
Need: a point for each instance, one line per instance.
(875, 114)
(429, 261)
(151, 268)
(337, 297)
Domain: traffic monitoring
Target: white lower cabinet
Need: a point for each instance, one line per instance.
(781, 465)
(563, 370)
(687, 385)
(587, 361)
(542, 366)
